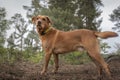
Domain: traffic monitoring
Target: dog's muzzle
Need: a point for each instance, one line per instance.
(39, 23)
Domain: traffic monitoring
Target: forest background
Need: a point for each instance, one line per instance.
(19, 40)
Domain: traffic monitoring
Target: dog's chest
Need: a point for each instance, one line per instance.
(46, 45)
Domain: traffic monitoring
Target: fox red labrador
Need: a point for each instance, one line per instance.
(56, 42)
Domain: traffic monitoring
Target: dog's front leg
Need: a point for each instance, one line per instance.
(56, 60)
(47, 58)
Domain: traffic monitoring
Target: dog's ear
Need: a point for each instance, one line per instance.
(49, 20)
(33, 19)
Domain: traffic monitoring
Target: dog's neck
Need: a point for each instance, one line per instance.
(46, 31)
(51, 32)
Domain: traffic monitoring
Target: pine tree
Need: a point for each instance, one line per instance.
(63, 14)
(62, 19)
(115, 17)
(32, 40)
(84, 12)
(3, 26)
(89, 12)
(33, 10)
(20, 26)
(11, 41)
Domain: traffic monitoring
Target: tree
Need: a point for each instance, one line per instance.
(62, 19)
(32, 39)
(76, 14)
(3, 26)
(63, 14)
(89, 12)
(11, 41)
(115, 17)
(84, 12)
(20, 26)
(33, 10)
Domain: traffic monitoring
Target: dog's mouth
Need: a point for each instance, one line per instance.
(39, 25)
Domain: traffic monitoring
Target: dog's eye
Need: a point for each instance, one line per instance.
(43, 19)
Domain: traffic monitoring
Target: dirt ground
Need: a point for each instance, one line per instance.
(28, 71)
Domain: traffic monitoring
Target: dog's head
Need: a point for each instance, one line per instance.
(42, 23)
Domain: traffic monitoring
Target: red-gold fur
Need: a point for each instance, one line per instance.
(58, 42)
(106, 34)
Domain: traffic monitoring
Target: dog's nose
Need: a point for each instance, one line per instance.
(39, 22)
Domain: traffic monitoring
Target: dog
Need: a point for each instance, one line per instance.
(55, 42)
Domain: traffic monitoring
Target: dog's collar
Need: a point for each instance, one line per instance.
(46, 31)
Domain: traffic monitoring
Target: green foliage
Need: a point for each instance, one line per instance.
(34, 9)
(12, 55)
(115, 17)
(76, 58)
(20, 29)
(35, 57)
(84, 13)
(89, 11)
(68, 14)
(65, 5)
(3, 26)
(62, 19)
(9, 55)
(10, 40)
(3, 51)
(32, 40)
(104, 46)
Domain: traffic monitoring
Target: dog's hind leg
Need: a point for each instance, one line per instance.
(94, 53)
(99, 68)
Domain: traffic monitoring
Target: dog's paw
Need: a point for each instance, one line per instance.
(43, 72)
(54, 71)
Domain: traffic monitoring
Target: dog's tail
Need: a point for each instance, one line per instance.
(106, 34)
